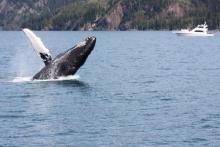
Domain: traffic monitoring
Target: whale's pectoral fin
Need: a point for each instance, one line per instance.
(38, 45)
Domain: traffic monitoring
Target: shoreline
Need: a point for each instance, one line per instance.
(100, 30)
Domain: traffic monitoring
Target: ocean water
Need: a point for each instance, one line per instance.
(136, 89)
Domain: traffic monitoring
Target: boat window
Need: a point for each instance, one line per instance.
(198, 31)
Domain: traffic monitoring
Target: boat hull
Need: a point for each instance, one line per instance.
(194, 34)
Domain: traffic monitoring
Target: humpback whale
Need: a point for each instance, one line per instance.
(64, 64)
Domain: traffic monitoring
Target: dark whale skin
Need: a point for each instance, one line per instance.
(67, 63)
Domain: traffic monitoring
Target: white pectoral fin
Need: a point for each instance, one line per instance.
(38, 45)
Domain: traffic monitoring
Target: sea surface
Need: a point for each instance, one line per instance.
(137, 89)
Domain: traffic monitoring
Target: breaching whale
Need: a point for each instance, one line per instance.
(64, 64)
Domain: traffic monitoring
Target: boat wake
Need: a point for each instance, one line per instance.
(29, 79)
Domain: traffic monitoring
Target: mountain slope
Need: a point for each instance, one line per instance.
(108, 14)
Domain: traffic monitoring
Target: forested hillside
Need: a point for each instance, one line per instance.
(108, 14)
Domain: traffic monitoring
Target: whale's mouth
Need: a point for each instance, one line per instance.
(91, 38)
(89, 41)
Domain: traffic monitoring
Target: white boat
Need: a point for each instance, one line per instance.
(200, 30)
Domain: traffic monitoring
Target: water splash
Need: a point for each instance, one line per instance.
(29, 79)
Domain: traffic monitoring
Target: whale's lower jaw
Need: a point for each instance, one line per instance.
(46, 77)
(48, 73)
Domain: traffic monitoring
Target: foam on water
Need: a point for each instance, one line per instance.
(29, 79)
(21, 79)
